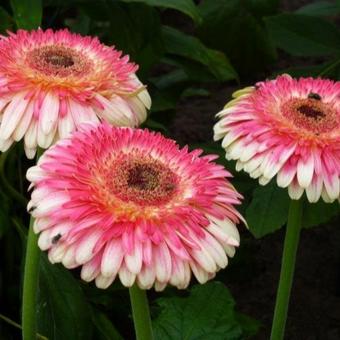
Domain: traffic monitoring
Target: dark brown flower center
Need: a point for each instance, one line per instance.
(136, 179)
(310, 112)
(59, 60)
(56, 60)
(143, 177)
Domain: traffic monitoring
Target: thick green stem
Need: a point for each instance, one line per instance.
(31, 280)
(140, 313)
(287, 269)
(31, 277)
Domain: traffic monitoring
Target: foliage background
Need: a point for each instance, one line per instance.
(192, 55)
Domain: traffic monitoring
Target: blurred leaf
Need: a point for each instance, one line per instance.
(63, 312)
(81, 24)
(262, 7)
(236, 28)
(169, 79)
(134, 28)
(207, 313)
(194, 92)
(187, 7)
(187, 46)
(249, 325)
(319, 8)
(5, 21)
(330, 69)
(318, 213)
(106, 329)
(5, 221)
(192, 71)
(153, 125)
(303, 35)
(268, 209)
(27, 13)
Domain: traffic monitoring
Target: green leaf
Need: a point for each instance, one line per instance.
(5, 21)
(207, 313)
(195, 92)
(63, 312)
(154, 125)
(5, 221)
(329, 69)
(180, 44)
(105, 328)
(268, 209)
(80, 24)
(236, 28)
(134, 28)
(261, 8)
(27, 13)
(249, 325)
(187, 7)
(319, 8)
(315, 214)
(303, 35)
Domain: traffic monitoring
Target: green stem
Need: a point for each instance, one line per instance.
(140, 313)
(287, 269)
(31, 280)
(31, 277)
(15, 324)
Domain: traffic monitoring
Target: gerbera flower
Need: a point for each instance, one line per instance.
(127, 202)
(289, 128)
(50, 82)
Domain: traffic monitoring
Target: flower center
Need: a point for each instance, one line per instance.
(311, 114)
(59, 60)
(136, 179)
(55, 60)
(143, 177)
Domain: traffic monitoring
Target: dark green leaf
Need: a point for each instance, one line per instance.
(192, 71)
(303, 35)
(63, 312)
(169, 79)
(132, 28)
(319, 8)
(154, 125)
(5, 21)
(5, 222)
(249, 325)
(81, 24)
(186, 6)
(195, 92)
(318, 213)
(106, 329)
(330, 69)
(268, 209)
(261, 8)
(235, 27)
(208, 313)
(180, 44)
(27, 13)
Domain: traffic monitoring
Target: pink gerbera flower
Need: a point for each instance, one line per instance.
(50, 82)
(130, 203)
(289, 128)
